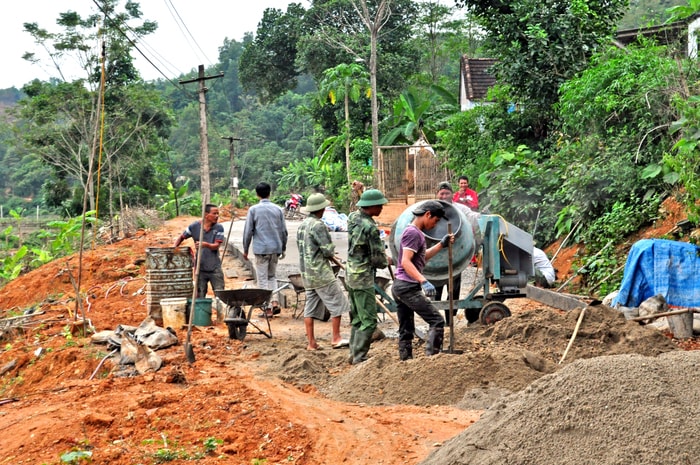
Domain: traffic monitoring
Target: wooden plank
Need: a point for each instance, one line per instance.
(553, 299)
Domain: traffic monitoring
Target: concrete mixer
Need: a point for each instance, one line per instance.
(506, 260)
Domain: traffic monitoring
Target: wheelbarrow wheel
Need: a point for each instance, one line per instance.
(472, 314)
(237, 328)
(237, 324)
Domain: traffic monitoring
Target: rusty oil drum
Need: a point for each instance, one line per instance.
(168, 275)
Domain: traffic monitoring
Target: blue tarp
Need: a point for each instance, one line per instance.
(658, 266)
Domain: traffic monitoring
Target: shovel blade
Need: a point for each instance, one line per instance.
(189, 352)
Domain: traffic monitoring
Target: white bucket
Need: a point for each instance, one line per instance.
(174, 311)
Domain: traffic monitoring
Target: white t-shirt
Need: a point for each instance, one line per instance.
(542, 263)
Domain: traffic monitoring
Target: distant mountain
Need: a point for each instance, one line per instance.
(8, 98)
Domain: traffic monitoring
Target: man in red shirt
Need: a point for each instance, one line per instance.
(466, 196)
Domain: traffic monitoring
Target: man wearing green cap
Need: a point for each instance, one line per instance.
(366, 253)
(322, 287)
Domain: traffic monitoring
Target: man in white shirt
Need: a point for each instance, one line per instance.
(544, 271)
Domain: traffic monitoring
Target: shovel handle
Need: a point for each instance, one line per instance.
(335, 260)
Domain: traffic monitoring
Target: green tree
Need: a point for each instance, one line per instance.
(267, 64)
(540, 44)
(346, 82)
(684, 159)
(444, 34)
(333, 32)
(229, 57)
(61, 119)
(418, 113)
(374, 16)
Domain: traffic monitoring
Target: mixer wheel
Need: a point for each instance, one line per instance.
(493, 312)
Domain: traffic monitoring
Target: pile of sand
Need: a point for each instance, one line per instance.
(606, 410)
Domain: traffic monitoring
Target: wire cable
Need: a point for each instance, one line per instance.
(179, 21)
(133, 44)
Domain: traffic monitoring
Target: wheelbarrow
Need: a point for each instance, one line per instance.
(299, 289)
(236, 319)
(298, 286)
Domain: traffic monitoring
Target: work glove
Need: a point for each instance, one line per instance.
(428, 288)
(445, 241)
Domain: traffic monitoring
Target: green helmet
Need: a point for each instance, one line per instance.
(316, 202)
(372, 197)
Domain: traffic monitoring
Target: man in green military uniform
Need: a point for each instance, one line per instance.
(322, 287)
(366, 254)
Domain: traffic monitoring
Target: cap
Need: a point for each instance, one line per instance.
(316, 202)
(445, 185)
(433, 206)
(371, 198)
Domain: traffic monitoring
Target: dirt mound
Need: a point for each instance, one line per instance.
(57, 398)
(605, 410)
(497, 359)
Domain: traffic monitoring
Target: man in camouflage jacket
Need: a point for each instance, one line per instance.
(366, 253)
(322, 287)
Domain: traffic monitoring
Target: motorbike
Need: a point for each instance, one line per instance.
(292, 207)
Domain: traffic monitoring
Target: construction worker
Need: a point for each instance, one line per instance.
(366, 254)
(323, 291)
(412, 290)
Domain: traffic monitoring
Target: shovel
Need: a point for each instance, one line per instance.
(450, 285)
(189, 351)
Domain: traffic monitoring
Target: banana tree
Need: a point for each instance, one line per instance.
(347, 82)
(413, 109)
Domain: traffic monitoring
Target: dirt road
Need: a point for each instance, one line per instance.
(261, 400)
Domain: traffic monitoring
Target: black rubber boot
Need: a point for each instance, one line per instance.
(405, 350)
(433, 345)
(352, 343)
(363, 339)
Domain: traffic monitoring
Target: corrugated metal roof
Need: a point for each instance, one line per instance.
(663, 34)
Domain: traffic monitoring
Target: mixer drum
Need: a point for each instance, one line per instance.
(436, 269)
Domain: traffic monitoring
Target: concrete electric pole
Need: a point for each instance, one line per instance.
(234, 170)
(203, 135)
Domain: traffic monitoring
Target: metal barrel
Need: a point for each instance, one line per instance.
(168, 275)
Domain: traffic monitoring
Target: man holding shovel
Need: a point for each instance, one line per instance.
(212, 238)
(322, 287)
(366, 253)
(411, 289)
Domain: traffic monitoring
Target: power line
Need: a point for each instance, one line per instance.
(133, 44)
(179, 21)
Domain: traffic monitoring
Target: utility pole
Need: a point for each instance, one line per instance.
(234, 170)
(203, 142)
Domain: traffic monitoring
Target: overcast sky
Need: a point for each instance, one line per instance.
(171, 47)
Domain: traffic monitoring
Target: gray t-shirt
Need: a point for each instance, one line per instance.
(210, 258)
